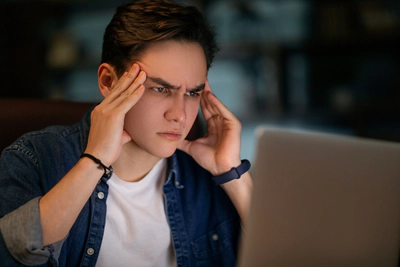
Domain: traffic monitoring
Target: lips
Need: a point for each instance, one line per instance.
(172, 136)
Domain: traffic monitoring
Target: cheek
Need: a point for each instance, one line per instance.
(191, 114)
(139, 118)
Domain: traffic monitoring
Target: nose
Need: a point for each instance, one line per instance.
(176, 110)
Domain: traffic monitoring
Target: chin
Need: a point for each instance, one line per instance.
(164, 153)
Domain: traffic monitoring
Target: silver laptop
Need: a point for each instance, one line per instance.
(323, 200)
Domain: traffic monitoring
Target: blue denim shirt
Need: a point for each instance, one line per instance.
(204, 224)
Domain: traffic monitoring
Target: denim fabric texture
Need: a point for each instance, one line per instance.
(204, 224)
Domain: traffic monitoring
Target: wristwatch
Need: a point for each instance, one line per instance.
(234, 173)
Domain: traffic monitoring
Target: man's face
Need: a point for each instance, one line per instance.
(161, 119)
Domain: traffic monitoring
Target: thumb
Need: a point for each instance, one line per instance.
(125, 137)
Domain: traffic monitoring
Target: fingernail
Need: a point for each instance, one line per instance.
(142, 75)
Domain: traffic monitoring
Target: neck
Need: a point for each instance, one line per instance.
(133, 163)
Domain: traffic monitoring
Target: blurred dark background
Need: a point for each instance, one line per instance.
(327, 65)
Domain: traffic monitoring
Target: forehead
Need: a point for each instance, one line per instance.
(178, 62)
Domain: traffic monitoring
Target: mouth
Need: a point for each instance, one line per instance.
(172, 136)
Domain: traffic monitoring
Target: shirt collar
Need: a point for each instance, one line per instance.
(173, 174)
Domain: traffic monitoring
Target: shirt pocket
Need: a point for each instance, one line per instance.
(223, 238)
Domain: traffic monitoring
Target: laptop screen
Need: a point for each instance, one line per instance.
(323, 200)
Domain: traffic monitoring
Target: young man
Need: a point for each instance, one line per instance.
(61, 202)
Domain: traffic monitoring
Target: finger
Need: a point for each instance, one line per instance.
(218, 107)
(128, 86)
(125, 80)
(125, 137)
(117, 86)
(204, 109)
(130, 100)
(210, 105)
(132, 88)
(135, 75)
(207, 107)
(132, 77)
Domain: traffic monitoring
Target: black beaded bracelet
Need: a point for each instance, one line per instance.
(234, 173)
(107, 170)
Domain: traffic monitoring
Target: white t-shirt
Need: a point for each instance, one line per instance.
(137, 231)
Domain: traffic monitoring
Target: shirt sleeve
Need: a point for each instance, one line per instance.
(22, 235)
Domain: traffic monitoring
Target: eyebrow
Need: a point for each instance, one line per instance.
(166, 84)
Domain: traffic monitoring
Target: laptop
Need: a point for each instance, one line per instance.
(322, 200)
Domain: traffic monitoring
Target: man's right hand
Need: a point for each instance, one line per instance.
(107, 134)
(60, 207)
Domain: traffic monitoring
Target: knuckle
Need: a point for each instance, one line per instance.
(239, 124)
(97, 110)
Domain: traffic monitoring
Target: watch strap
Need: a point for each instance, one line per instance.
(234, 173)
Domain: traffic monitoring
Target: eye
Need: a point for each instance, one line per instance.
(192, 93)
(160, 89)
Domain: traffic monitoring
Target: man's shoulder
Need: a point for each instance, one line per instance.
(51, 133)
(49, 140)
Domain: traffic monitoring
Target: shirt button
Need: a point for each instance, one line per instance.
(90, 251)
(215, 237)
(177, 183)
(100, 195)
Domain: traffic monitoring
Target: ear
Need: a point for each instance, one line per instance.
(107, 78)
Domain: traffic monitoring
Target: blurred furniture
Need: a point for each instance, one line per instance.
(19, 116)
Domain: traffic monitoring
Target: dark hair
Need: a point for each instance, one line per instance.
(137, 24)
